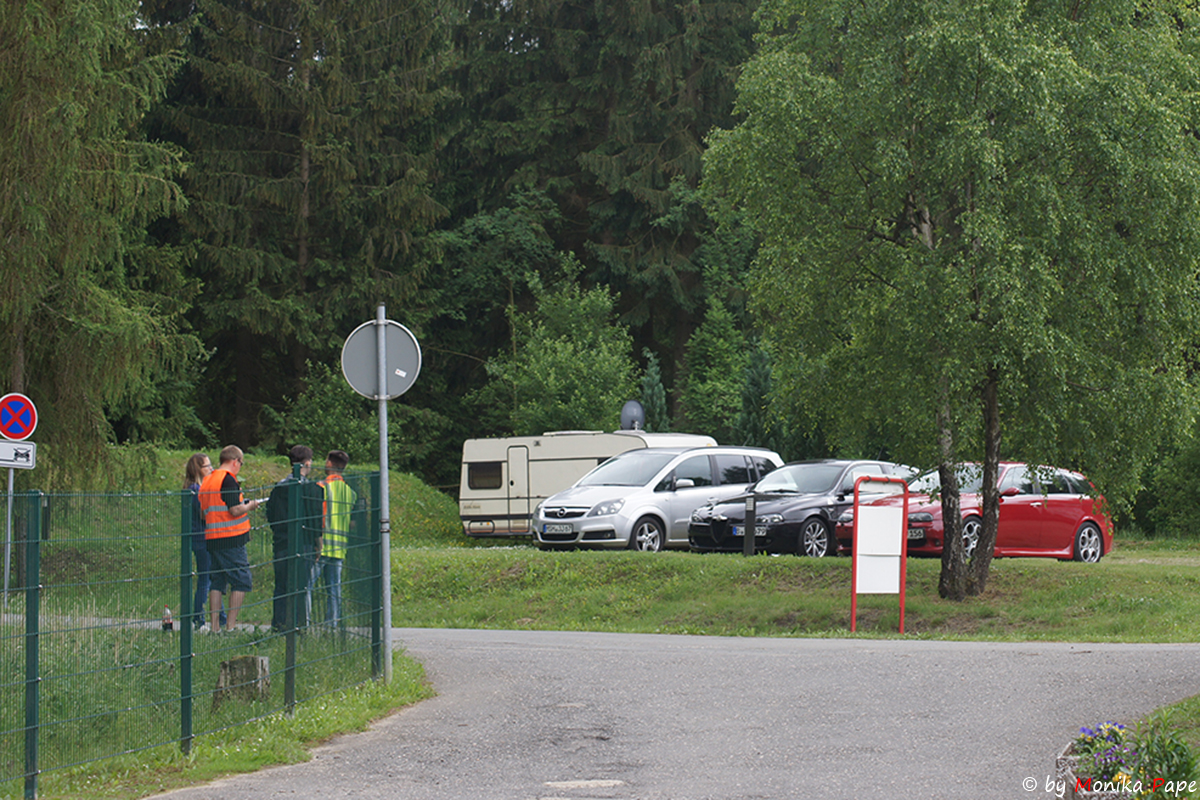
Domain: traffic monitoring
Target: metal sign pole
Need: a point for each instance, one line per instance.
(385, 522)
(381, 373)
(8, 536)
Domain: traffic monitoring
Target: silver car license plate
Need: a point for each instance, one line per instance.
(557, 527)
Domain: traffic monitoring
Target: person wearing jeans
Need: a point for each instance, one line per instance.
(196, 470)
(339, 502)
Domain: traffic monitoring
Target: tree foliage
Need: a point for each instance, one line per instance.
(572, 365)
(89, 311)
(311, 129)
(487, 262)
(603, 107)
(980, 229)
(654, 396)
(713, 375)
(329, 415)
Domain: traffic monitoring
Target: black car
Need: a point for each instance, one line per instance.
(796, 508)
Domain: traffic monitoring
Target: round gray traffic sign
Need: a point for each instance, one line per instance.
(360, 360)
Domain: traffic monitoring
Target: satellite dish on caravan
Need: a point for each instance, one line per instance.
(633, 416)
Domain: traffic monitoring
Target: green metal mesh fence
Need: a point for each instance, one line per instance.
(90, 667)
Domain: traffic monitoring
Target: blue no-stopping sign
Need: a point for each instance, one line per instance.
(18, 417)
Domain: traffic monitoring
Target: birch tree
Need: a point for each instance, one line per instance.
(981, 222)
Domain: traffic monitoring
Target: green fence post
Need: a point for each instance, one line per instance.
(297, 589)
(378, 564)
(33, 580)
(186, 621)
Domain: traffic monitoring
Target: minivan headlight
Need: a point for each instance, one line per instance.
(606, 509)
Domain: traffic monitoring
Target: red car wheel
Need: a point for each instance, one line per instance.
(971, 528)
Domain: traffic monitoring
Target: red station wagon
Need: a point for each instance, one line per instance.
(1044, 511)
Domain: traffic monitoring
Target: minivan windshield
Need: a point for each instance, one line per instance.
(801, 479)
(633, 468)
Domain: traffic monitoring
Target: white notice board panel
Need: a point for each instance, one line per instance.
(880, 530)
(878, 575)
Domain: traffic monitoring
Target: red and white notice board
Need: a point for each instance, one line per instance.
(880, 549)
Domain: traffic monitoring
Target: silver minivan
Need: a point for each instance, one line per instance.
(643, 499)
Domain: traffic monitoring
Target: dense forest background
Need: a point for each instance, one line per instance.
(211, 195)
(202, 198)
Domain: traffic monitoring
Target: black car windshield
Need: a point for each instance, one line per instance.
(634, 468)
(970, 479)
(801, 479)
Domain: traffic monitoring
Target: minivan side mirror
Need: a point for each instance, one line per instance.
(684, 483)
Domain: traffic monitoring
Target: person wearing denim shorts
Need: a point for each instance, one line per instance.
(226, 533)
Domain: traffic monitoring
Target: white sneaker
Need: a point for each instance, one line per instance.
(203, 628)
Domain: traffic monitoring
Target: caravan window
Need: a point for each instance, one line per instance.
(485, 475)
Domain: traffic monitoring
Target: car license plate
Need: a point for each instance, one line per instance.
(740, 530)
(916, 533)
(557, 527)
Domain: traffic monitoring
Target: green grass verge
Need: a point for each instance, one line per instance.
(1142, 592)
(274, 739)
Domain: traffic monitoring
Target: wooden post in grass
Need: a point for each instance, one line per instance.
(244, 678)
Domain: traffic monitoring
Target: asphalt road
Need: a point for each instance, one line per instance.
(578, 716)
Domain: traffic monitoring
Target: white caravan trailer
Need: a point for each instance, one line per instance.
(504, 479)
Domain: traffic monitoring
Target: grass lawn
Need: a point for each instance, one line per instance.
(1142, 592)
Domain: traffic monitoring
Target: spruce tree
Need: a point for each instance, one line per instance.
(89, 311)
(309, 128)
(754, 426)
(654, 396)
(711, 384)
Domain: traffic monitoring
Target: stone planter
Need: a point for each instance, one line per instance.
(1064, 770)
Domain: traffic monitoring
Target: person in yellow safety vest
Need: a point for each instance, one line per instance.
(226, 532)
(339, 501)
